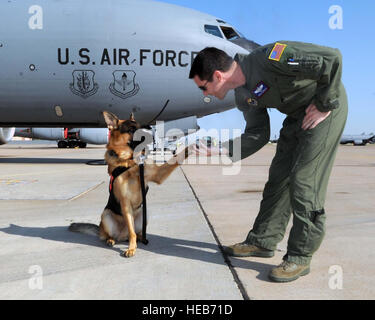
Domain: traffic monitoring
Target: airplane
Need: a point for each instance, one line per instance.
(65, 61)
(358, 140)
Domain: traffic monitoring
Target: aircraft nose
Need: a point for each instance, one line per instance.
(248, 45)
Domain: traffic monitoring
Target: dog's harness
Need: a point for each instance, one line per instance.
(114, 205)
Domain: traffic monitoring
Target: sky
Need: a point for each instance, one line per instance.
(308, 21)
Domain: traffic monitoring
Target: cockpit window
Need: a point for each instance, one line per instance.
(229, 33)
(214, 30)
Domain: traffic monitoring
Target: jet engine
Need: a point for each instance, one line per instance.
(94, 135)
(168, 131)
(6, 134)
(48, 133)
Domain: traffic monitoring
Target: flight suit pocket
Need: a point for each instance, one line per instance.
(287, 89)
(285, 85)
(295, 93)
(271, 96)
(307, 66)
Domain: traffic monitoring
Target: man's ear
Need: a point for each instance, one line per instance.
(218, 75)
(111, 120)
(132, 117)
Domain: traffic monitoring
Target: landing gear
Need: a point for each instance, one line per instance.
(71, 143)
(62, 144)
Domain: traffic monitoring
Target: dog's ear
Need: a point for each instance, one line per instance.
(132, 117)
(111, 120)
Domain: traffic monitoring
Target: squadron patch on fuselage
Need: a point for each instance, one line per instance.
(123, 85)
(83, 84)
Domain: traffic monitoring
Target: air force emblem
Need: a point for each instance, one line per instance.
(83, 84)
(260, 89)
(123, 84)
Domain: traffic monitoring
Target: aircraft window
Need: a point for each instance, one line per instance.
(229, 33)
(214, 30)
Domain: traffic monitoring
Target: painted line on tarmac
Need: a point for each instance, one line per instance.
(11, 175)
(85, 192)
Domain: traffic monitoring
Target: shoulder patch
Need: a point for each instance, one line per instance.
(252, 102)
(260, 89)
(277, 51)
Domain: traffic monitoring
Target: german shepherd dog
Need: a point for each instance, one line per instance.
(122, 218)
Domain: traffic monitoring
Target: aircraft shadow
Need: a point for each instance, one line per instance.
(168, 246)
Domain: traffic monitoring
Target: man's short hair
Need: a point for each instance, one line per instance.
(208, 61)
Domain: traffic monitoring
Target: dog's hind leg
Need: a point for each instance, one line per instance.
(103, 235)
(109, 228)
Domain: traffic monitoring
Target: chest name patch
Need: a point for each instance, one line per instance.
(277, 51)
(260, 89)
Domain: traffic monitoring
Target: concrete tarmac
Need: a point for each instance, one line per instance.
(198, 208)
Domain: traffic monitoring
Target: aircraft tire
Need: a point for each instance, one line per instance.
(62, 144)
(72, 144)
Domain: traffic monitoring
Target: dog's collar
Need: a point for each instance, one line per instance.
(134, 144)
(118, 170)
(113, 154)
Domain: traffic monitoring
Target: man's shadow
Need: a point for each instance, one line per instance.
(188, 249)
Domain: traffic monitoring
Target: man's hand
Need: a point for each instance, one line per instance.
(313, 117)
(182, 153)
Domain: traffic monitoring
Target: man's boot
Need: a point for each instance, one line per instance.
(247, 250)
(288, 271)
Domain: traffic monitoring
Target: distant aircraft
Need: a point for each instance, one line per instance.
(65, 61)
(274, 140)
(358, 140)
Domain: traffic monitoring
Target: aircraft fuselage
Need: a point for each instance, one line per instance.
(63, 62)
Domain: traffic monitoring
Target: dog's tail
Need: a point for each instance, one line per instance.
(86, 228)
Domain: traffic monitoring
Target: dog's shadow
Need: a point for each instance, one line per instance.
(188, 249)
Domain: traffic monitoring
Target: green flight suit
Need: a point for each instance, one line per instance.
(289, 76)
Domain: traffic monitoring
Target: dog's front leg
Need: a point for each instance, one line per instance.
(158, 174)
(127, 213)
